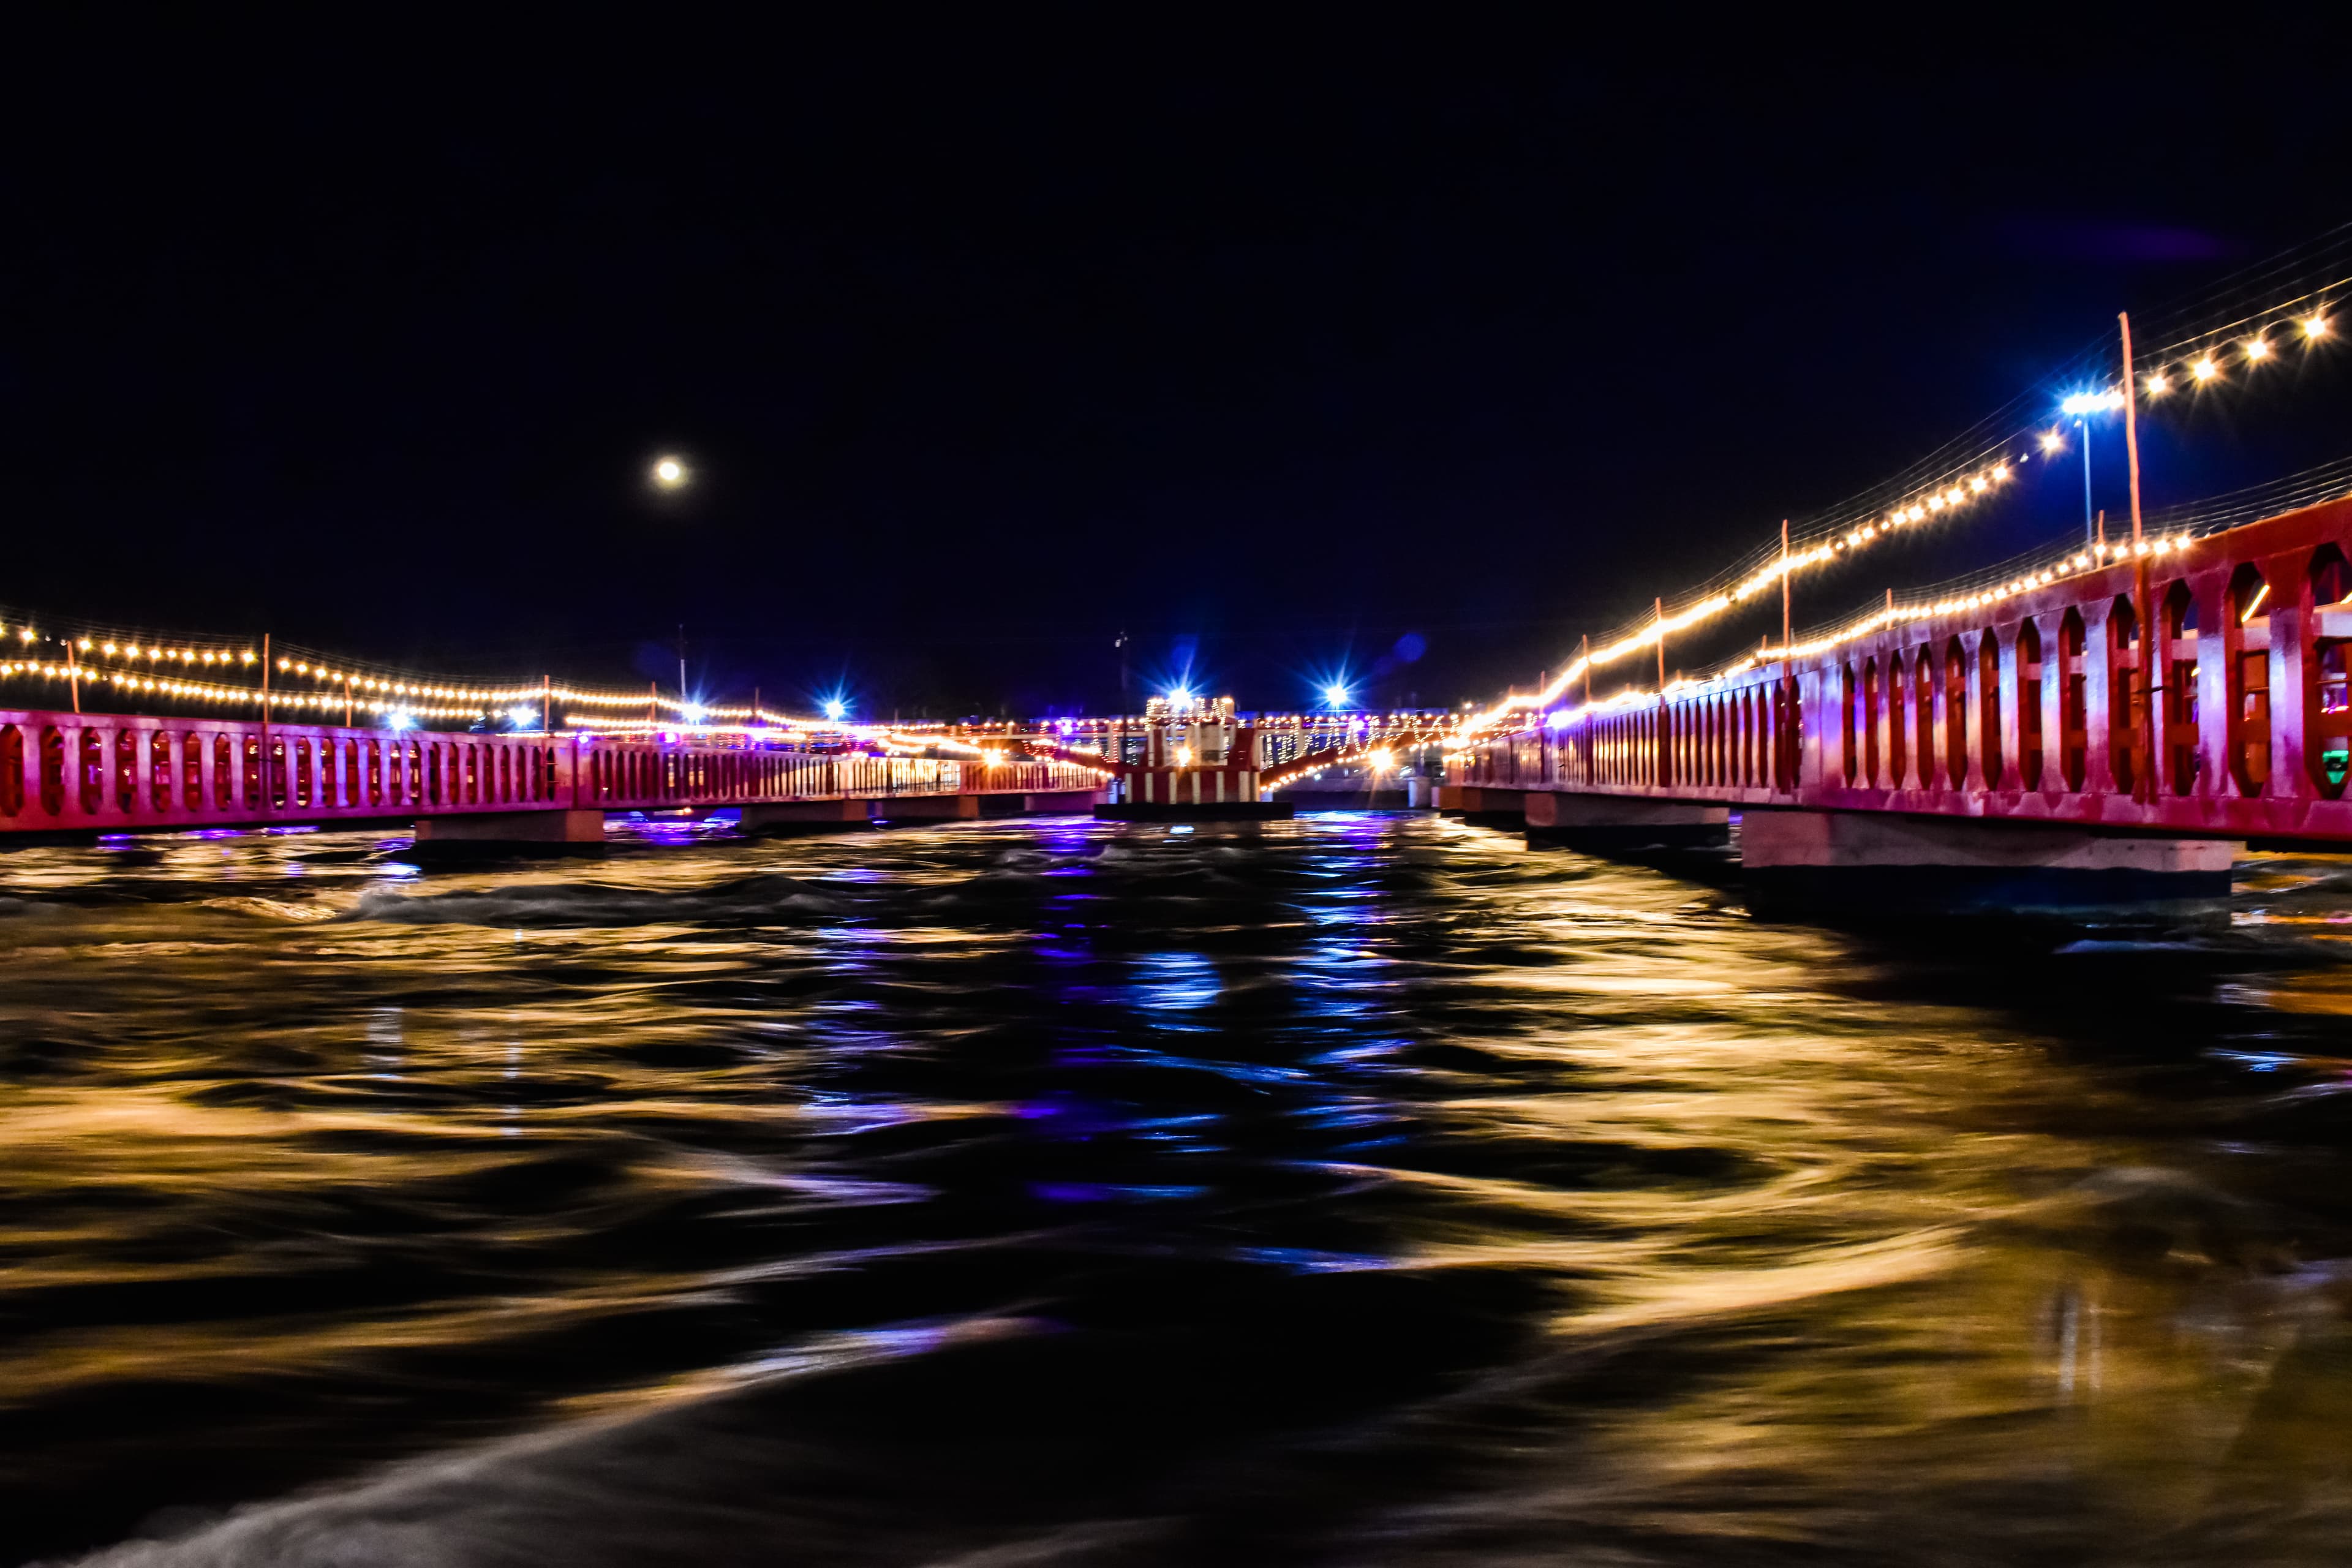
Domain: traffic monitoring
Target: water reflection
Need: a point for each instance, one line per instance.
(1358, 1188)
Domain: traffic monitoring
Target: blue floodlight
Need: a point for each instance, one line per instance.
(2083, 403)
(835, 708)
(1336, 694)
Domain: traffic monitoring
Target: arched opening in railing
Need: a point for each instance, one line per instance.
(1850, 723)
(1898, 754)
(2028, 704)
(159, 769)
(2328, 722)
(2127, 697)
(192, 770)
(1870, 772)
(2247, 640)
(2179, 671)
(1989, 737)
(1923, 712)
(1956, 713)
(12, 771)
(126, 771)
(2074, 701)
(92, 771)
(53, 770)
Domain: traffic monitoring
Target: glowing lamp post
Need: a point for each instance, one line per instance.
(2081, 405)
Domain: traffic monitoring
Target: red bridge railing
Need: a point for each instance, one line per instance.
(2199, 689)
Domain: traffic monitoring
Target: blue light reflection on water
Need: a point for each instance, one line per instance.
(1174, 981)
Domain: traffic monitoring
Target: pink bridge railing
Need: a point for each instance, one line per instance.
(119, 774)
(2202, 691)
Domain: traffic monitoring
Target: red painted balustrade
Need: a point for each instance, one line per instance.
(2199, 691)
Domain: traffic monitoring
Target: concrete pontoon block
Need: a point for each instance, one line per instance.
(1849, 864)
(559, 827)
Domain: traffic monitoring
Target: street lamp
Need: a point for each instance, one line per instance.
(2081, 405)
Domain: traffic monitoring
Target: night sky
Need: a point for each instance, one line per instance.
(1283, 354)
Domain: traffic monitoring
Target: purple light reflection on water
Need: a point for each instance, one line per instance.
(1108, 1193)
(1302, 1261)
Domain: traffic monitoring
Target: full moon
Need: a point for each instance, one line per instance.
(669, 473)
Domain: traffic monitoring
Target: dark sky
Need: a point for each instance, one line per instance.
(985, 344)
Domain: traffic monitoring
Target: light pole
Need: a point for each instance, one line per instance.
(2081, 405)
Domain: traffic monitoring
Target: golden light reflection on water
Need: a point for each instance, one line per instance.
(1809, 1238)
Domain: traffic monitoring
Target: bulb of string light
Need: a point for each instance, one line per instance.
(2315, 326)
(669, 473)
(2258, 348)
(2205, 369)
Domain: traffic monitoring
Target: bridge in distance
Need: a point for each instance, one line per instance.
(2108, 730)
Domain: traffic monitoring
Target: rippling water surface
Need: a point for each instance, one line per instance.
(1362, 1189)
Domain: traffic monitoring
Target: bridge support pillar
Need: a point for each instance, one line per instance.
(1487, 807)
(931, 807)
(804, 814)
(1605, 824)
(513, 828)
(1852, 864)
(1060, 801)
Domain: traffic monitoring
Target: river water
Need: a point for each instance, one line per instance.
(1362, 1189)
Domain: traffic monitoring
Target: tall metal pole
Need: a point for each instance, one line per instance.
(2085, 423)
(546, 704)
(73, 675)
(269, 782)
(2131, 421)
(1658, 715)
(1785, 637)
(1585, 654)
